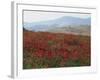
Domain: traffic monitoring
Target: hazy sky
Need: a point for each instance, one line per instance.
(35, 16)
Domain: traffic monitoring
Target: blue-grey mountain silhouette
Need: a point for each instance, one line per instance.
(59, 22)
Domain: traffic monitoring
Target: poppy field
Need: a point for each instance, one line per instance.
(54, 50)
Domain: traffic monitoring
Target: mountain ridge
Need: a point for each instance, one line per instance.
(58, 22)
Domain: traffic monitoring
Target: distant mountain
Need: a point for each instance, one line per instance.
(78, 30)
(59, 22)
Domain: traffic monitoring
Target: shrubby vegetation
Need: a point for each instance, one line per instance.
(50, 50)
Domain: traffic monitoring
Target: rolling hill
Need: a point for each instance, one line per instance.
(65, 24)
